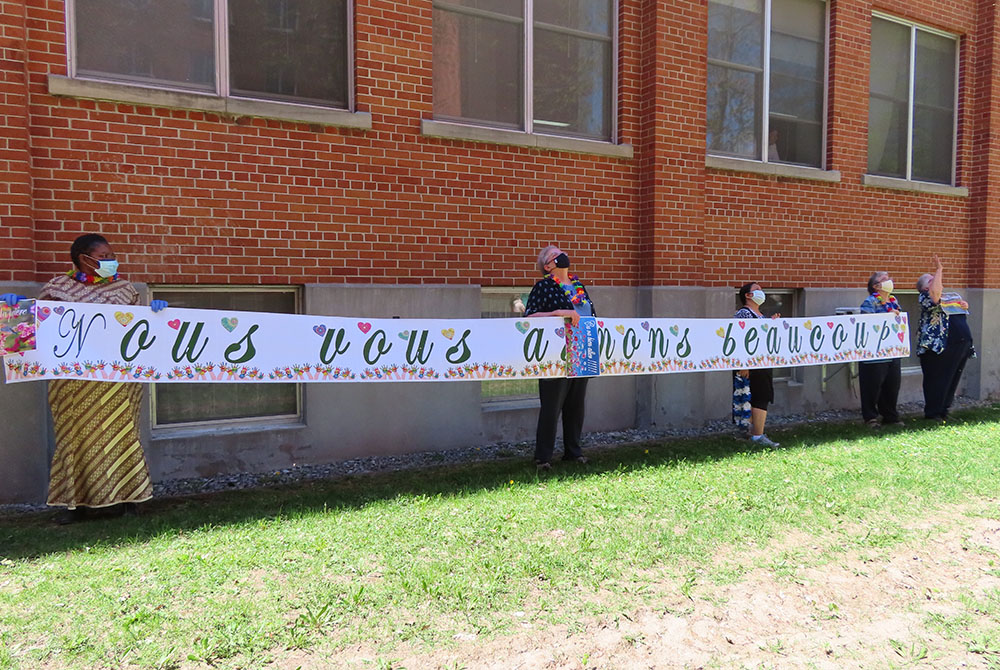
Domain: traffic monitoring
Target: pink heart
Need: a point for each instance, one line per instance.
(175, 324)
(320, 330)
(829, 324)
(743, 324)
(364, 326)
(601, 324)
(43, 313)
(901, 336)
(59, 310)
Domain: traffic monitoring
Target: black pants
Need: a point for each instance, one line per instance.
(879, 384)
(566, 396)
(942, 373)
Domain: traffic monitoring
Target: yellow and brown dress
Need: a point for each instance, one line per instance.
(99, 460)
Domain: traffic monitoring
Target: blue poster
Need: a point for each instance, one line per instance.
(583, 356)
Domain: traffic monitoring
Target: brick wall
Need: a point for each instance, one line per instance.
(195, 197)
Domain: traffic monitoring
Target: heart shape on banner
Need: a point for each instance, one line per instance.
(230, 323)
(720, 332)
(765, 327)
(785, 324)
(59, 310)
(560, 332)
(124, 318)
(522, 326)
(674, 330)
(320, 330)
(899, 319)
(364, 326)
(743, 324)
(43, 313)
(601, 324)
(404, 334)
(902, 336)
(448, 332)
(853, 320)
(808, 325)
(620, 328)
(645, 325)
(829, 324)
(175, 324)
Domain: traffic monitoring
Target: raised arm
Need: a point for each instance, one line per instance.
(937, 284)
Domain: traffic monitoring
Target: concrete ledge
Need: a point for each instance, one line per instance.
(158, 97)
(771, 169)
(511, 405)
(469, 133)
(918, 186)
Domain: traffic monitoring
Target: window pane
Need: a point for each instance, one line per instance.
(289, 50)
(735, 31)
(733, 111)
(185, 403)
(592, 16)
(500, 304)
(507, 7)
(572, 87)
(888, 108)
(934, 108)
(169, 43)
(478, 68)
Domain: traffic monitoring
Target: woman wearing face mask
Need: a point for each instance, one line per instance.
(98, 461)
(559, 293)
(879, 380)
(753, 390)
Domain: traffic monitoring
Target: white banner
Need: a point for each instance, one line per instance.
(130, 343)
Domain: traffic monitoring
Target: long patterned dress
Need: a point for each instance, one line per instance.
(99, 460)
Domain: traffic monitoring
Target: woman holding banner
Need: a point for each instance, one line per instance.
(879, 380)
(944, 344)
(559, 294)
(98, 460)
(753, 390)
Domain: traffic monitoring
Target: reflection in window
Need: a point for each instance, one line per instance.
(505, 303)
(904, 58)
(767, 103)
(479, 72)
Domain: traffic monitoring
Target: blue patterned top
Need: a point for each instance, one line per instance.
(933, 326)
(872, 305)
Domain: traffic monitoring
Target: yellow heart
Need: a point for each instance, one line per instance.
(124, 318)
(448, 332)
(720, 332)
(620, 328)
(808, 325)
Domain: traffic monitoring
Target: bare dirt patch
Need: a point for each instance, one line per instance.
(860, 609)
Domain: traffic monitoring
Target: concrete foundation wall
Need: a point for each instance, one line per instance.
(341, 421)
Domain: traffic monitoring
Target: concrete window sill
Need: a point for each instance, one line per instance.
(236, 426)
(158, 97)
(878, 181)
(469, 133)
(771, 169)
(513, 405)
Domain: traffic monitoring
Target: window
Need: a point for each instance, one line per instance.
(291, 50)
(783, 301)
(567, 88)
(912, 98)
(175, 404)
(501, 303)
(767, 79)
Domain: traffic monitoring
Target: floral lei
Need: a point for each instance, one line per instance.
(578, 296)
(889, 304)
(85, 278)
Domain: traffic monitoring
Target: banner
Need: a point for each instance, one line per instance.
(108, 342)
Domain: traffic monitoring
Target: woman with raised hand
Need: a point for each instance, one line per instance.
(99, 461)
(753, 390)
(559, 293)
(944, 344)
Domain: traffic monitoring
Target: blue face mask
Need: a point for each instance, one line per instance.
(105, 267)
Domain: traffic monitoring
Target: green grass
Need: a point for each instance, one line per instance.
(229, 580)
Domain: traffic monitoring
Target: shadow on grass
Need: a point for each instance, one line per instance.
(32, 536)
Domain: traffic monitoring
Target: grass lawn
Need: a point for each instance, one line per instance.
(425, 558)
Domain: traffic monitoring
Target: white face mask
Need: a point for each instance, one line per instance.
(105, 267)
(887, 286)
(758, 297)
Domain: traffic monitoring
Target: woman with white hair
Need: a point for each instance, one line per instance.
(944, 343)
(559, 293)
(879, 380)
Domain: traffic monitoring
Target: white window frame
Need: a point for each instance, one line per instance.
(766, 91)
(914, 27)
(528, 22)
(282, 419)
(221, 46)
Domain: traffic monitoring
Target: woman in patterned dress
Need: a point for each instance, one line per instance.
(99, 461)
(559, 294)
(753, 390)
